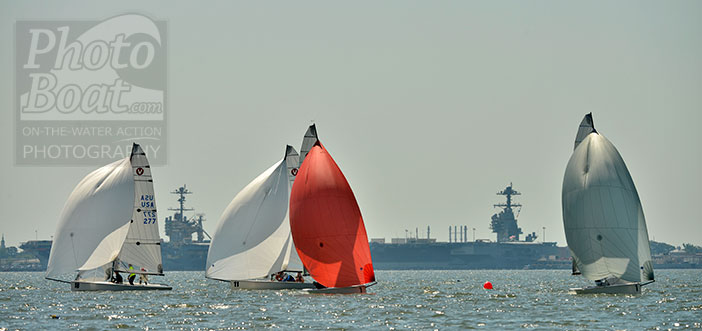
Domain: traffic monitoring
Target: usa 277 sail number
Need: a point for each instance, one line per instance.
(149, 217)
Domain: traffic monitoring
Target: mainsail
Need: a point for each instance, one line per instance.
(587, 126)
(253, 238)
(602, 215)
(142, 246)
(96, 227)
(293, 161)
(308, 141)
(326, 223)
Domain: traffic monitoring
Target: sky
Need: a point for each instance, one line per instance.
(429, 108)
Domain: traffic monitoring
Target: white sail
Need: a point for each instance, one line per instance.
(602, 215)
(108, 249)
(99, 205)
(292, 262)
(253, 236)
(308, 141)
(142, 246)
(586, 127)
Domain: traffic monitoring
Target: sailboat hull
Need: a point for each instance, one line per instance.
(629, 288)
(356, 289)
(108, 286)
(268, 285)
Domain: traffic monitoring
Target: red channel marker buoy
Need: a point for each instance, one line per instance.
(487, 286)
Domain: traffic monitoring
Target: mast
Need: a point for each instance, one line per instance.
(508, 192)
(181, 192)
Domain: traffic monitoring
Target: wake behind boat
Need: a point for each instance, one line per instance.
(252, 244)
(327, 226)
(108, 227)
(603, 218)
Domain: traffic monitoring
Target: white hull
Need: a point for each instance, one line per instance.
(108, 286)
(356, 289)
(268, 285)
(630, 288)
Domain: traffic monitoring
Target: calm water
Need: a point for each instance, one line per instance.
(401, 300)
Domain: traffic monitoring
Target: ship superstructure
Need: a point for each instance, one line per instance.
(504, 223)
(179, 227)
(181, 251)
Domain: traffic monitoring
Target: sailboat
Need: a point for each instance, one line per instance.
(109, 226)
(603, 219)
(326, 223)
(252, 242)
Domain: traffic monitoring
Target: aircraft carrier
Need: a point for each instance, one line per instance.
(507, 252)
(182, 252)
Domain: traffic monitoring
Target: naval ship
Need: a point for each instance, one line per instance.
(182, 252)
(507, 252)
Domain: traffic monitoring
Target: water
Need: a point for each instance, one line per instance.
(401, 300)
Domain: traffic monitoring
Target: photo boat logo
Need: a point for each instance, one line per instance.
(86, 90)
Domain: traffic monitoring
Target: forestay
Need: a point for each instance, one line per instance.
(602, 214)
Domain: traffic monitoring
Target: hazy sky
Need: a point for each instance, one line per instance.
(428, 107)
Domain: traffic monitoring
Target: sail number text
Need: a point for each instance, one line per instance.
(147, 201)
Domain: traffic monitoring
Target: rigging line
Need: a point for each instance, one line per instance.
(57, 280)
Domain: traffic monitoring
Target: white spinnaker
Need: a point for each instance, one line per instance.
(253, 234)
(257, 262)
(142, 246)
(602, 215)
(108, 249)
(98, 206)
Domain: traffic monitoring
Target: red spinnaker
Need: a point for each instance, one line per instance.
(326, 224)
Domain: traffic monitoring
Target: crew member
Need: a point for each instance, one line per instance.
(142, 277)
(132, 275)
